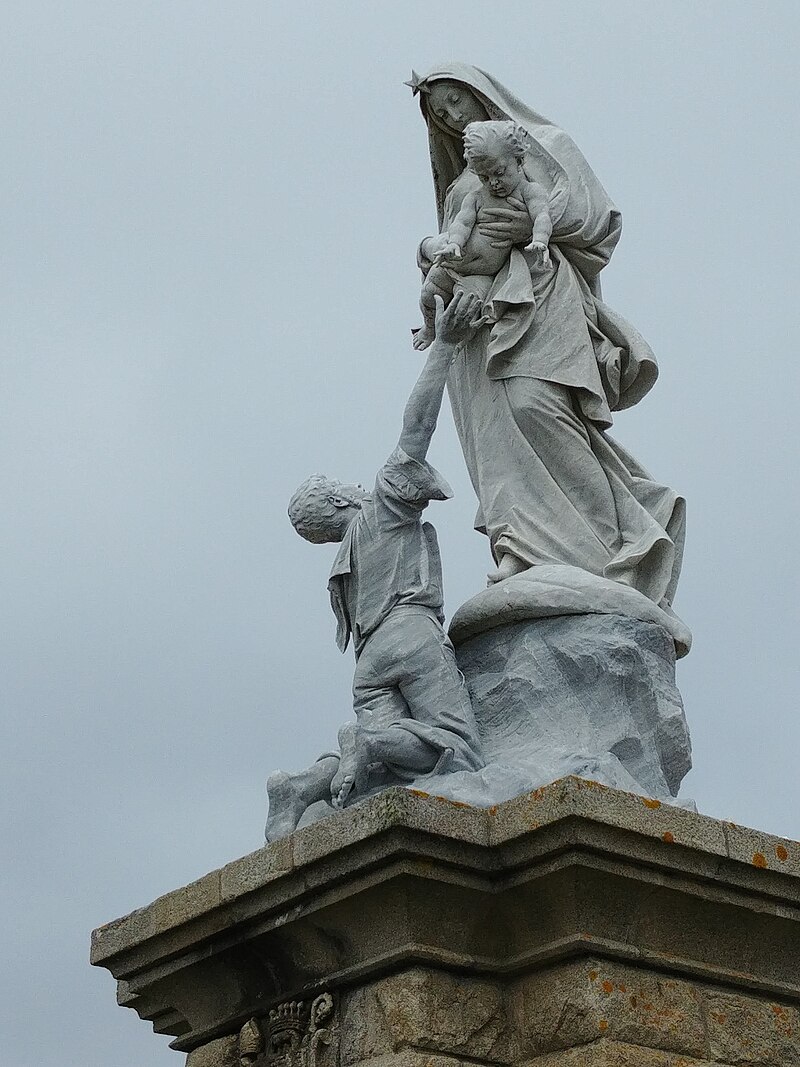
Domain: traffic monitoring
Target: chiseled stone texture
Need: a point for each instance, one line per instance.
(589, 695)
(743, 1030)
(598, 998)
(429, 1011)
(614, 1054)
(221, 1053)
(576, 925)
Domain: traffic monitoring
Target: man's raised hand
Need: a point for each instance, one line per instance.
(460, 319)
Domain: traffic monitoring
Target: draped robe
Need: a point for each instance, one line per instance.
(532, 394)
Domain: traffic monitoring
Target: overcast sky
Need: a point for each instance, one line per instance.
(210, 213)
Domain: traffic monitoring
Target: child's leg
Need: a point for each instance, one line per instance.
(438, 282)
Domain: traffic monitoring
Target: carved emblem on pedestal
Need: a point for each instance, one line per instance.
(292, 1035)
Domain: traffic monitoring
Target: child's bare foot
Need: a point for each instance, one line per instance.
(508, 566)
(542, 253)
(423, 339)
(286, 805)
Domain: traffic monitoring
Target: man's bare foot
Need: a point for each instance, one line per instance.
(286, 805)
(508, 566)
(423, 338)
(355, 763)
(343, 781)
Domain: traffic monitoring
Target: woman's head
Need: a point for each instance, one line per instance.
(453, 105)
(452, 94)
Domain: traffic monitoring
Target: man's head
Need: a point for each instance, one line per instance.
(495, 151)
(321, 509)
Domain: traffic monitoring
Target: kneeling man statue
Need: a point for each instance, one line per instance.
(413, 712)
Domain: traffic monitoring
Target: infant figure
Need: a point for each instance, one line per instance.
(495, 152)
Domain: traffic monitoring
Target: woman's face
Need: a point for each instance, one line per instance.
(454, 105)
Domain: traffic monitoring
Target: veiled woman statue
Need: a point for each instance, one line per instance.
(532, 394)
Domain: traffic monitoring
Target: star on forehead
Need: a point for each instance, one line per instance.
(417, 84)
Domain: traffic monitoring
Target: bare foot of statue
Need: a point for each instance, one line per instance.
(345, 778)
(423, 338)
(508, 566)
(287, 803)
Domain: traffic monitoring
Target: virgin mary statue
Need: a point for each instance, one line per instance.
(533, 392)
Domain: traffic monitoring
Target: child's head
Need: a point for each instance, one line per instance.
(495, 151)
(321, 509)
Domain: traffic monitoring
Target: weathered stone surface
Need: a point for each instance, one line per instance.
(586, 695)
(427, 1011)
(574, 918)
(615, 1054)
(411, 1058)
(744, 1030)
(578, 1003)
(221, 1053)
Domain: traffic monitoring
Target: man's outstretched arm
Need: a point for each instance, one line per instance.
(455, 323)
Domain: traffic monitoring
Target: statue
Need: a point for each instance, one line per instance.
(532, 393)
(569, 654)
(565, 663)
(413, 713)
(462, 257)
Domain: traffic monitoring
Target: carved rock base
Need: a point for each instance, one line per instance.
(577, 926)
(586, 695)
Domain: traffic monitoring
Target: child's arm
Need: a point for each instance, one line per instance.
(460, 228)
(535, 199)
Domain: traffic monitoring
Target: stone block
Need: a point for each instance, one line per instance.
(605, 1053)
(428, 1011)
(256, 870)
(762, 851)
(223, 1052)
(578, 1003)
(575, 925)
(747, 1030)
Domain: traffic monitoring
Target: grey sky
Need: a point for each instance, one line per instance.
(210, 213)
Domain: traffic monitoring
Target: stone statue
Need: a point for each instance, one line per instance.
(565, 663)
(413, 711)
(532, 393)
(462, 257)
(569, 655)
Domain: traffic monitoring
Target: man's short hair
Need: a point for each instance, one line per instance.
(482, 140)
(311, 511)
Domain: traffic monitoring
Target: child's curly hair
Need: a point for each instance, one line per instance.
(483, 141)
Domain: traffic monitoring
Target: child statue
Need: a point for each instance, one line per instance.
(494, 151)
(413, 712)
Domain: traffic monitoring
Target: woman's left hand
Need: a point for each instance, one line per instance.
(506, 226)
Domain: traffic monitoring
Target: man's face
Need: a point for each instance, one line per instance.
(499, 172)
(348, 491)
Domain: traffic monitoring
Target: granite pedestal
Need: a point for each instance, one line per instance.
(575, 925)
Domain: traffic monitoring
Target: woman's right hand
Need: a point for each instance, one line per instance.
(506, 226)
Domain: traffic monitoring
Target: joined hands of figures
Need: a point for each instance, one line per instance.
(454, 323)
(460, 319)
